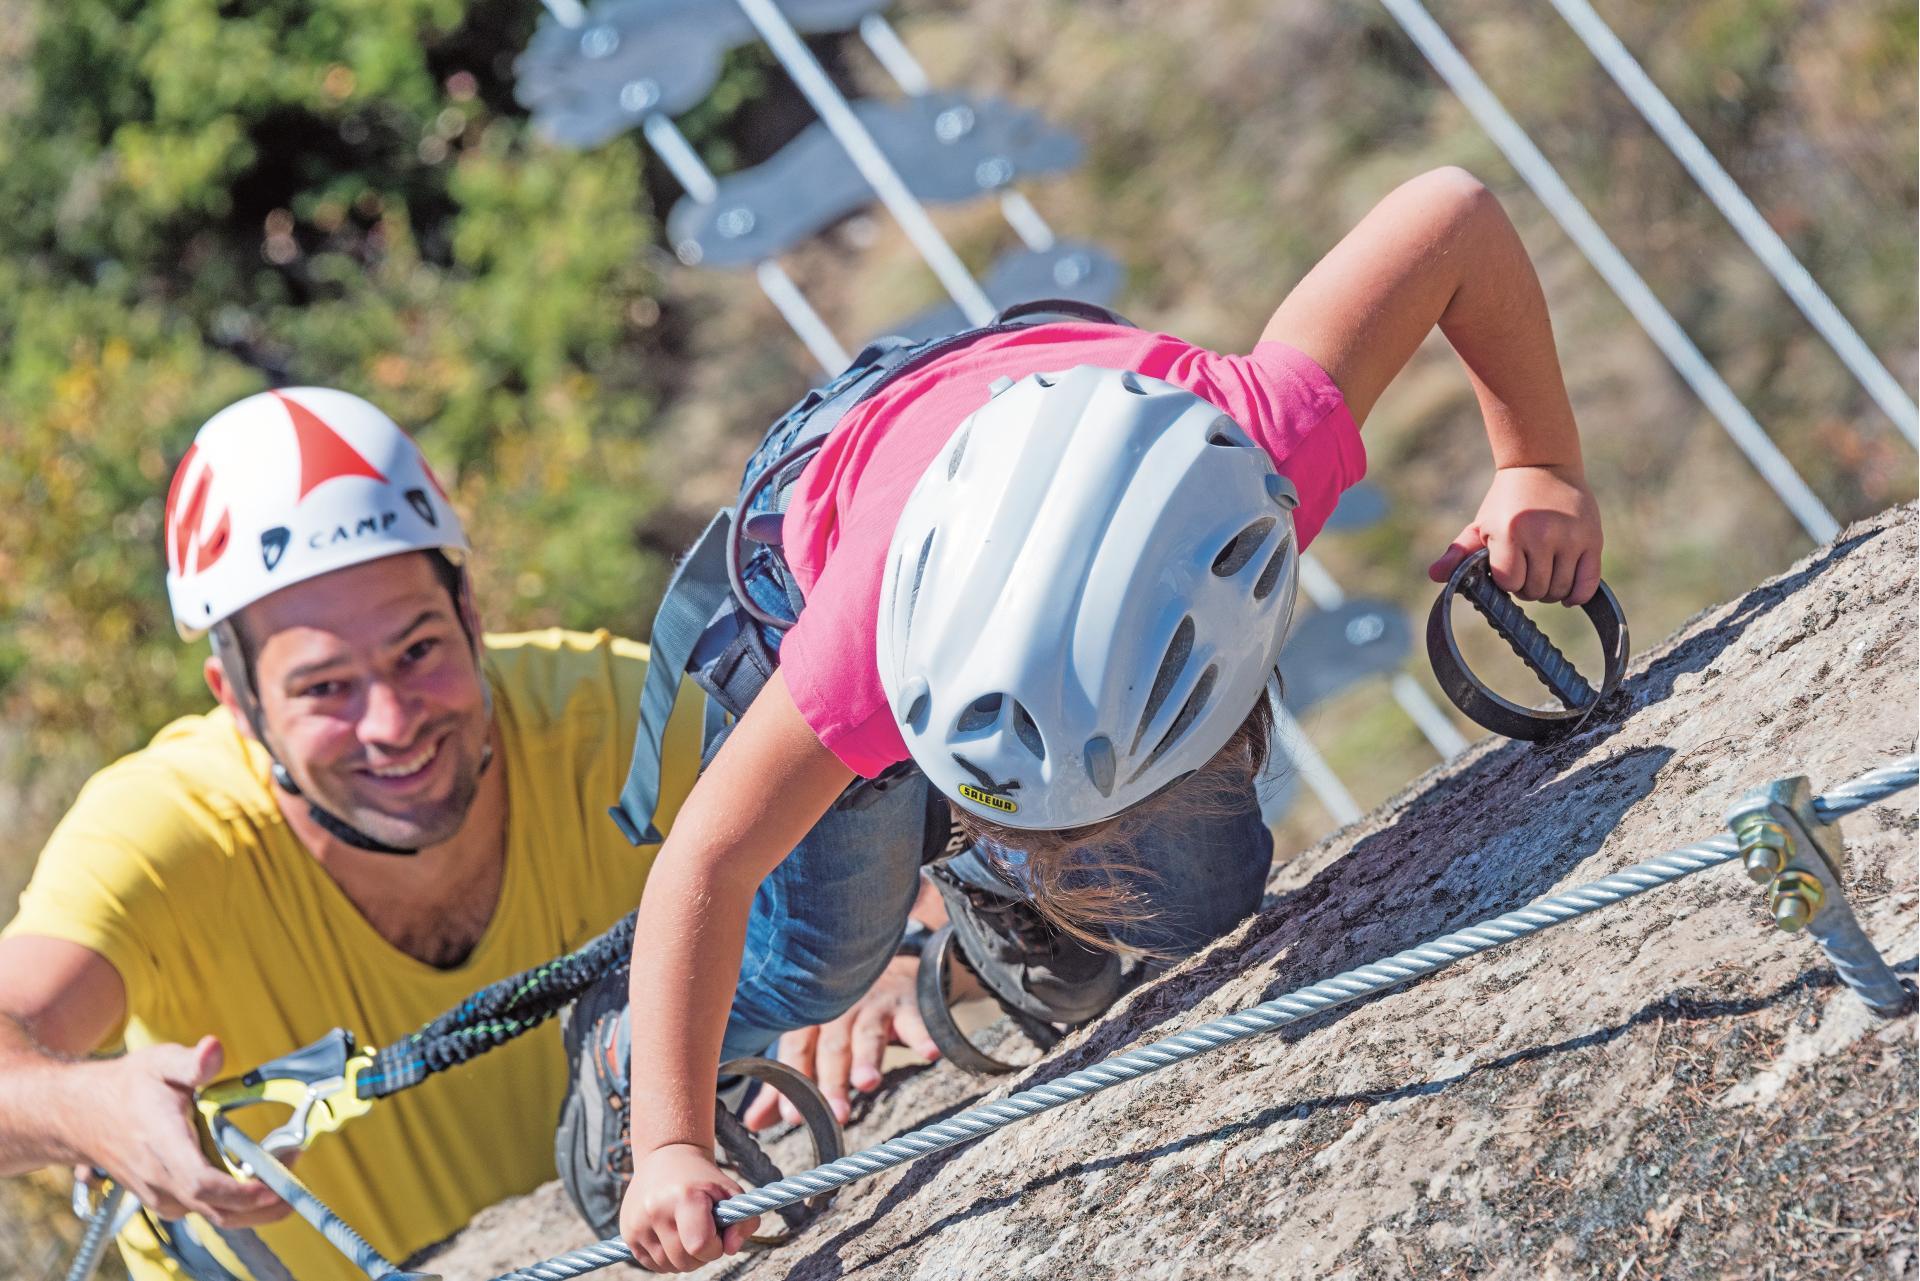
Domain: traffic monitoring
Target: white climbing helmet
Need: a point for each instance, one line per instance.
(287, 485)
(1084, 597)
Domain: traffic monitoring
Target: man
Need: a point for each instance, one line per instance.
(383, 814)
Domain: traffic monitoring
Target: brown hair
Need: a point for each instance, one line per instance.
(1077, 876)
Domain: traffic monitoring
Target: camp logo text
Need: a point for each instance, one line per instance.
(987, 799)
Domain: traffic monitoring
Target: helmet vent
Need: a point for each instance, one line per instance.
(1131, 381)
(916, 718)
(1225, 431)
(1271, 574)
(1241, 547)
(1043, 380)
(1099, 752)
(1027, 732)
(919, 572)
(1179, 649)
(1189, 713)
(959, 452)
(980, 714)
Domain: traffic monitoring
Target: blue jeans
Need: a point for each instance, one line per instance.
(826, 921)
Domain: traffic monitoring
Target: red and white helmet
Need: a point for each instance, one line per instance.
(290, 484)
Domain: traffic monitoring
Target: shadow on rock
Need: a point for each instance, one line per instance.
(1441, 865)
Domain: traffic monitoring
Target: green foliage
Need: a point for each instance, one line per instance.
(198, 199)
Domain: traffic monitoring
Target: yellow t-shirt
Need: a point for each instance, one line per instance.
(176, 865)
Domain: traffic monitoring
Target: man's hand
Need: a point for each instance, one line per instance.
(145, 1134)
(1541, 529)
(848, 1050)
(666, 1218)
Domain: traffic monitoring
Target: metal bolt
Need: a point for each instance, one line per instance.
(953, 124)
(600, 41)
(735, 222)
(1365, 629)
(1767, 847)
(639, 95)
(995, 172)
(1795, 898)
(1071, 270)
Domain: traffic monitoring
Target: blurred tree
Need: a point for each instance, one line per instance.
(200, 199)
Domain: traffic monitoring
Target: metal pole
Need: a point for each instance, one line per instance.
(868, 158)
(1314, 770)
(1719, 186)
(1573, 217)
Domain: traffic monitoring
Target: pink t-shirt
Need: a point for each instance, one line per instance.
(844, 506)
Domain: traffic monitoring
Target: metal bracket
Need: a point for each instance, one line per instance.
(1472, 580)
(591, 83)
(1331, 649)
(1071, 269)
(947, 147)
(1802, 863)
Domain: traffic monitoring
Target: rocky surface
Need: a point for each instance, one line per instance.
(1665, 1088)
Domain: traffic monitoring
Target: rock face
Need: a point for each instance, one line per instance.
(1668, 1087)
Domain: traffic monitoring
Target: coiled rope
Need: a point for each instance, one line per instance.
(1228, 1029)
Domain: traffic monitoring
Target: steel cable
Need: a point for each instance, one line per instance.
(1328, 994)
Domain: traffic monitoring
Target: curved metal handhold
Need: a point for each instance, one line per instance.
(1074, 270)
(1472, 580)
(947, 147)
(823, 1131)
(936, 1011)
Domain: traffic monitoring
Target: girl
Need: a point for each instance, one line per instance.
(1053, 566)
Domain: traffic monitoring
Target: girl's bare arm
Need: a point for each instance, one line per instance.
(1440, 251)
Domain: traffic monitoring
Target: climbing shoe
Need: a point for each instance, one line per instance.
(1027, 964)
(593, 1146)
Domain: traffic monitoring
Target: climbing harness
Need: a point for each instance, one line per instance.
(712, 624)
(1472, 581)
(1782, 819)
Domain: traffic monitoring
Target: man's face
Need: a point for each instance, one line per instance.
(372, 699)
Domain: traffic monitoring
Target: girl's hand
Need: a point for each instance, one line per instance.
(666, 1218)
(1541, 529)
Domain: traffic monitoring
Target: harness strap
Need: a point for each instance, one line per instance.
(696, 592)
(738, 661)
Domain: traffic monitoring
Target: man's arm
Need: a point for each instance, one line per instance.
(131, 1116)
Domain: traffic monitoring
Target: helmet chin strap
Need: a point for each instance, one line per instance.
(341, 830)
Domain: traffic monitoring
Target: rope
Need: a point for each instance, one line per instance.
(1229, 1029)
(497, 1013)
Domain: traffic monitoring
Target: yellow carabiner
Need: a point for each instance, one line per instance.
(319, 1082)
